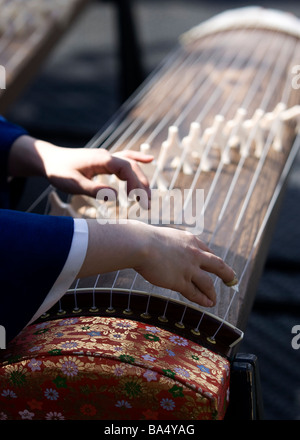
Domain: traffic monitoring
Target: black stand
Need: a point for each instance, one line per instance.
(129, 55)
(245, 389)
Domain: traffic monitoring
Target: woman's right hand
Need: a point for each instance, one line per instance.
(166, 257)
(180, 261)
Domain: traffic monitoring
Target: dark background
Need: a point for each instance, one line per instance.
(77, 92)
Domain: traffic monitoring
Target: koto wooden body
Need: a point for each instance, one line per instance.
(215, 74)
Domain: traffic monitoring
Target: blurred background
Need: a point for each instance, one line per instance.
(77, 91)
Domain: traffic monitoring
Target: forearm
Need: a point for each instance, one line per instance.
(113, 247)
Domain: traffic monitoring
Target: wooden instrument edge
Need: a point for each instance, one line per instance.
(228, 335)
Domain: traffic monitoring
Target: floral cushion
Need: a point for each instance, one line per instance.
(108, 368)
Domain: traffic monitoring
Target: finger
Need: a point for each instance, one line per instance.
(214, 264)
(203, 246)
(201, 290)
(129, 171)
(135, 155)
(137, 178)
(80, 184)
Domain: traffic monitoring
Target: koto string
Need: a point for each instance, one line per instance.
(94, 307)
(228, 105)
(208, 105)
(224, 62)
(223, 111)
(130, 292)
(128, 128)
(265, 99)
(139, 96)
(276, 71)
(186, 63)
(190, 61)
(225, 108)
(201, 87)
(285, 172)
(192, 104)
(243, 158)
(288, 165)
(76, 308)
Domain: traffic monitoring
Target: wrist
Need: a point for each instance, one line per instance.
(114, 247)
(25, 158)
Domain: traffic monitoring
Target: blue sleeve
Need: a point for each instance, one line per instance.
(8, 134)
(33, 250)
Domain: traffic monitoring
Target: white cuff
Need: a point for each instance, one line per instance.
(71, 268)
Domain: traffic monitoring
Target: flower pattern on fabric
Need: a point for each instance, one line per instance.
(109, 368)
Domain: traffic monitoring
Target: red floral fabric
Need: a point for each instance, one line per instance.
(108, 368)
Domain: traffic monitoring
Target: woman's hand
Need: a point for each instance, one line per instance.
(165, 257)
(180, 261)
(72, 169)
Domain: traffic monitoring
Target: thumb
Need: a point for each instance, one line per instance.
(81, 184)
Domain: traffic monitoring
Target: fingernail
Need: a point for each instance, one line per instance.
(210, 303)
(233, 282)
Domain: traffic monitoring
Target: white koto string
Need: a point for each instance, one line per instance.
(223, 62)
(277, 72)
(94, 307)
(190, 61)
(111, 292)
(131, 128)
(261, 73)
(234, 64)
(223, 111)
(130, 292)
(248, 99)
(207, 150)
(201, 89)
(126, 128)
(263, 106)
(168, 116)
(76, 308)
(139, 97)
(210, 102)
(226, 106)
(288, 165)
